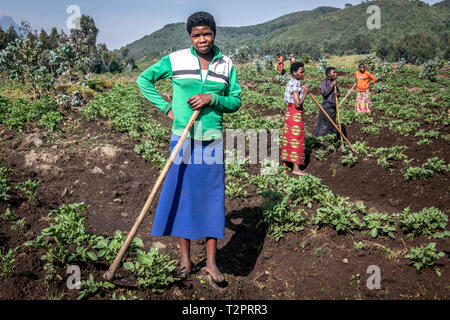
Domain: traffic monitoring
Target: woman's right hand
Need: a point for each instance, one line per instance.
(305, 88)
(170, 115)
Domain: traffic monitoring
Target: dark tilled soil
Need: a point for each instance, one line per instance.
(311, 264)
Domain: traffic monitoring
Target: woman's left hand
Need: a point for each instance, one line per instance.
(199, 101)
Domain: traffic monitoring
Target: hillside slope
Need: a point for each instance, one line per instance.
(344, 30)
(173, 36)
(323, 30)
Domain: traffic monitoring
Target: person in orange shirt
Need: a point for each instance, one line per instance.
(363, 81)
(280, 63)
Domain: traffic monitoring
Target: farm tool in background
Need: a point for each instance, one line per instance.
(338, 115)
(332, 122)
(109, 275)
(343, 100)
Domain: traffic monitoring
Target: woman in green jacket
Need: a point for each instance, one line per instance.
(192, 201)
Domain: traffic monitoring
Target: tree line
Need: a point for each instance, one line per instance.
(41, 59)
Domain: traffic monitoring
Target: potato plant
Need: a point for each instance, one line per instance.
(427, 221)
(425, 257)
(152, 269)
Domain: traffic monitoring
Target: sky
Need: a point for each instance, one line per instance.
(122, 22)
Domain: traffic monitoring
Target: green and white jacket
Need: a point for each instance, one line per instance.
(183, 67)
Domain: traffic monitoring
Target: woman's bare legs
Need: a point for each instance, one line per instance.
(185, 247)
(211, 267)
(297, 170)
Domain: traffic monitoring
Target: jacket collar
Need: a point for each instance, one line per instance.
(215, 49)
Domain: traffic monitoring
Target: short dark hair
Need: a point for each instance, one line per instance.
(361, 64)
(201, 18)
(328, 70)
(295, 66)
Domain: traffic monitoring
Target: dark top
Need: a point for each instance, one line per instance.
(328, 92)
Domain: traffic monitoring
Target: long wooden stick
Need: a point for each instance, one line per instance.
(337, 112)
(347, 95)
(109, 275)
(332, 122)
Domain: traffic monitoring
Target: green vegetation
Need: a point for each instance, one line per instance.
(90, 286)
(427, 222)
(8, 215)
(379, 223)
(386, 155)
(39, 62)
(173, 36)
(405, 103)
(19, 225)
(109, 247)
(325, 30)
(235, 190)
(14, 113)
(153, 270)
(127, 110)
(5, 185)
(430, 167)
(342, 218)
(280, 217)
(65, 240)
(425, 257)
(7, 262)
(29, 188)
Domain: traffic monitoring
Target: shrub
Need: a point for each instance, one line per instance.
(19, 111)
(279, 216)
(109, 248)
(306, 58)
(153, 270)
(65, 240)
(342, 218)
(349, 159)
(425, 257)
(417, 173)
(386, 155)
(429, 70)
(426, 222)
(379, 223)
(431, 166)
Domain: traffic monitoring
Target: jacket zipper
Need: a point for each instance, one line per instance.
(207, 72)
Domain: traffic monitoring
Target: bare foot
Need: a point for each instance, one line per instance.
(184, 270)
(299, 172)
(215, 273)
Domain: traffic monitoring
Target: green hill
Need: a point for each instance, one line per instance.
(174, 36)
(443, 4)
(323, 30)
(345, 31)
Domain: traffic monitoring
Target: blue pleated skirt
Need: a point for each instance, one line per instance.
(192, 201)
